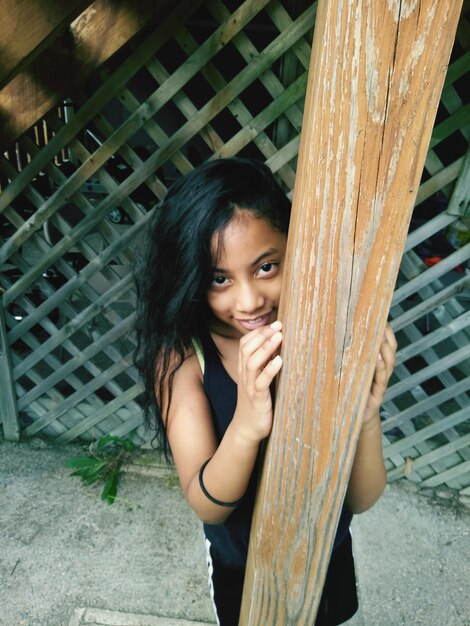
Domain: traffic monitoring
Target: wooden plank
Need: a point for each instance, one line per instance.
(440, 334)
(81, 357)
(29, 27)
(94, 419)
(94, 37)
(427, 459)
(453, 123)
(431, 303)
(459, 204)
(425, 405)
(67, 330)
(444, 477)
(459, 417)
(429, 228)
(283, 102)
(428, 372)
(8, 405)
(79, 395)
(425, 278)
(443, 177)
(352, 202)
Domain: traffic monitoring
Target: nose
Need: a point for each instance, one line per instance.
(249, 298)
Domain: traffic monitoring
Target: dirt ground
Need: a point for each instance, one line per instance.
(69, 559)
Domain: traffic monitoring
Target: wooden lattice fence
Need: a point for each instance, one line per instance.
(210, 79)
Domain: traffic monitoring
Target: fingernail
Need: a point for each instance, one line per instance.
(276, 337)
(276, 325)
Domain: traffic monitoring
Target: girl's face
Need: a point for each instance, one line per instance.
(246, 283)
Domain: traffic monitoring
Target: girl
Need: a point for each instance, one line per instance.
(208, 351)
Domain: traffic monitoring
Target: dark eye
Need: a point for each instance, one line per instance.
(218, 281)
(267, 267)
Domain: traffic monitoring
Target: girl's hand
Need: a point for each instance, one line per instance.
(258, 364)
(383, 371)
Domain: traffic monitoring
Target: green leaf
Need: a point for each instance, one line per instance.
(108, 439)
(110, 488)
(90, 474)
(82, 461)
(128, 445)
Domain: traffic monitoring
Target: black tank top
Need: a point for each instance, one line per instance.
(229, 541)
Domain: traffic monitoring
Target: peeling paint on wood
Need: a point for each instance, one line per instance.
(375, 79)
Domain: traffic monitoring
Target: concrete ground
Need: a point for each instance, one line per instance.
(68, 559)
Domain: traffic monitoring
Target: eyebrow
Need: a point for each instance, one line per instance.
(262, 256)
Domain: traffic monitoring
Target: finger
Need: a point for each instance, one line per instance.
(259, 358)
(269, 373)
(252, 342)
(390, 336)
(254, 338)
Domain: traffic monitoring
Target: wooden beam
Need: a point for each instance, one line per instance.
(8, 406)
(376, 74)
(28, 27)
(92, 39)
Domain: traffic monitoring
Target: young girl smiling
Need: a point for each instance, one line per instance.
(208, 350)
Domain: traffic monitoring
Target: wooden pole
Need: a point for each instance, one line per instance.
(376, 74)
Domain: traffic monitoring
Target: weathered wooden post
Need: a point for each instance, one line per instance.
(376, 75)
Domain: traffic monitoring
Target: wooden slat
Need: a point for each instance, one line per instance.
(459, 204)
(439, 479)
(429, 228)
(428, 372)
(289, 96)
(424, 406)
(8, 404)
(441, 334)
(38, 23)
(425, 278)
(431, 303)
(443, 177)
(79, 395)
(453, 123)
(84, 317)
(456, 418)
(426, 459)
(79, 359)
(94, 419)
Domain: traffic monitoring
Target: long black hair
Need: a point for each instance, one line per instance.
(175, 267)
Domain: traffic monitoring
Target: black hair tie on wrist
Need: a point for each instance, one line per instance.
(208, 495)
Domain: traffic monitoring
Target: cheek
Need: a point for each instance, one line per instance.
(215, 301)
(275, 289)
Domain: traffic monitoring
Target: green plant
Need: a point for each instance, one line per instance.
(103, 464)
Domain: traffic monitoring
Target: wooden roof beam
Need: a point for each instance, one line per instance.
(28, 27)
(93, 37)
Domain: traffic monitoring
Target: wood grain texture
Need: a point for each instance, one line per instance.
(28, 27)
(67, 62)
(376, 74)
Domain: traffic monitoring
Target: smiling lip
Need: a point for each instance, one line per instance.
(256, 322)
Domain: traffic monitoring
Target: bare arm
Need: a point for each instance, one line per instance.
(368, 476)
(191, 434)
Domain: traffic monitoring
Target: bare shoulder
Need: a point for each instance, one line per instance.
(190, 428)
